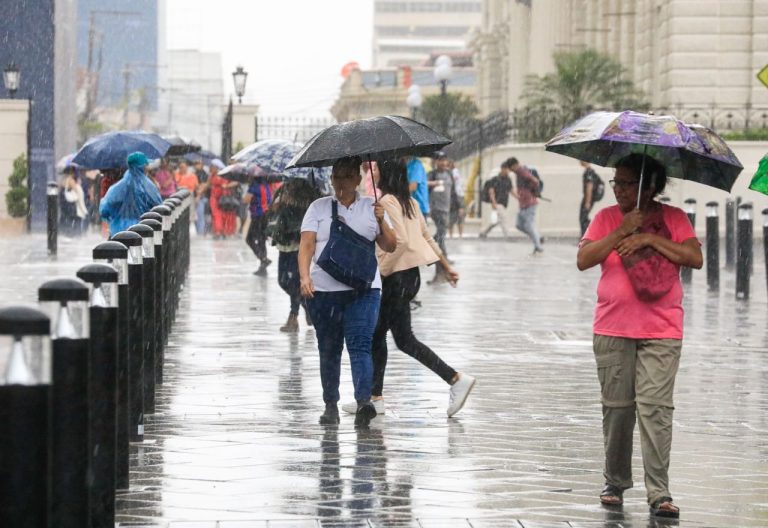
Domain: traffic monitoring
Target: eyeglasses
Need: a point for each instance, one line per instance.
(623, 184)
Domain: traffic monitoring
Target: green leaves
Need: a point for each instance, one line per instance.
(582, 82)
(16, 198)
(447, 112)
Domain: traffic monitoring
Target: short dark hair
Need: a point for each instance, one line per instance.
(348, 163)
(511, 162)
(655, 173)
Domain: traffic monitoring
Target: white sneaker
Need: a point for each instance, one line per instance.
(351, 407)
(459, 392)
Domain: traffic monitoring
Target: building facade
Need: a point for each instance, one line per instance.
(192, 102)
(38, 38)
(369, 93)
(405, 32)
(695, 58)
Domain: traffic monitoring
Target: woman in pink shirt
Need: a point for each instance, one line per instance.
(637, 336)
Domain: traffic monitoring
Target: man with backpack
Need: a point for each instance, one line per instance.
(593, 189)
(441, 191)
(528, 191)
(496, 191)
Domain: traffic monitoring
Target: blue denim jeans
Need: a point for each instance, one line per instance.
(526, 222)
(345, 316)
(200, 220)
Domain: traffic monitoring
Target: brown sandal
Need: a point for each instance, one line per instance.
(612, 495)
(665, 507)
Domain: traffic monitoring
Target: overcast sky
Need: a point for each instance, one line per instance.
(293, 50)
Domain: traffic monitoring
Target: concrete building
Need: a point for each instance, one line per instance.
(39, 38)
(118, 50)
(406, 32)
(695, 58)
(383, 91)
(192, 100)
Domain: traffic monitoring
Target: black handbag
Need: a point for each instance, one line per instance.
(229, 203)
(348, 257)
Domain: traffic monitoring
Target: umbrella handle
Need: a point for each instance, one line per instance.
(373, 182)
(642, 175)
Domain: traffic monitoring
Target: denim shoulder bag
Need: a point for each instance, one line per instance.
(348, 257)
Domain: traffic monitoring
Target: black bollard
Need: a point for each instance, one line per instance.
(116, 254)
(177, 233)
(25, 385)
(136, 330)
(66, 302)
(148, 296)
(730, 233)
(167, 255)
(102, 387)
(743, 250)
(686, 273)
(52, 197)
(157, 227)
(713, 247)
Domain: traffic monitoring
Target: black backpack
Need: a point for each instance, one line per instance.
(598, 189)
(485, 195)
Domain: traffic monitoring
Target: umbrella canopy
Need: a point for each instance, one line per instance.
(66, 163)
(206, 156)
(688, 152)
(242, 173)
(181, 145)
(110, 150)
(375, 137)
(272, 156)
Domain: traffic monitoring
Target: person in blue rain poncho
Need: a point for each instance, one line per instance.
(131, 197)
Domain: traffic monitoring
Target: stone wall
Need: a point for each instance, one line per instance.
(562, 184)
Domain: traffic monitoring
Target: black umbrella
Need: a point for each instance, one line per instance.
(181, 146)
(376, 137)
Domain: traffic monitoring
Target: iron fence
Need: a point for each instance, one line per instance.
(297, 129)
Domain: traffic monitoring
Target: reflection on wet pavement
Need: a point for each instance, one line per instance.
(235, 442)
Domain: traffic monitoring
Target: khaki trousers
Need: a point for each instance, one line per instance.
(637, 379)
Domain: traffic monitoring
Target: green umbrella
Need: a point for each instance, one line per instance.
(760, 179)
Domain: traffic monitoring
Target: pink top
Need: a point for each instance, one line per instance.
(526, 182)
(619, 312)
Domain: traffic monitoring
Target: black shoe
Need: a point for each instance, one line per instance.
(365, 413)
(331, 415)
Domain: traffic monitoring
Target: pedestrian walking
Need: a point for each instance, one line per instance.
(131, 197)
(638, 324)
(284, 218)
(341, 313)
(202, 198)
(73, 209)
(527, 198)
(589, 186)
(499, 188)
(441, 189)
(258, 198)
(458, 210)
(417, 183)
(400, 284)
(371, 179)
(224, 203)
(185, 177)
(165, 180)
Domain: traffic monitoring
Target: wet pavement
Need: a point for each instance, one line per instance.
(235, 442)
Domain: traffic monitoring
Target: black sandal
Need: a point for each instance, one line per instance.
(657, 510)
(612, 491)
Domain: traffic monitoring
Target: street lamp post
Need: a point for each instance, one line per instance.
(239, 76)
(414, 99)
(443, 72)
(11, 78)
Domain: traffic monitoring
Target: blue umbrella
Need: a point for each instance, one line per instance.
(110, 150)
(273, 155)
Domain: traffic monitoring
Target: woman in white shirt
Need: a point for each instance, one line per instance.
(401, 282)
(341, 314)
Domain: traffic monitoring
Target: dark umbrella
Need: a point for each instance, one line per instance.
(110, 150)
(181, 146)
(206, 156)
(240, 172)
(689, 152)
(376, 137)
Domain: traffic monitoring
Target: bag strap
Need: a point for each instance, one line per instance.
(334, 210)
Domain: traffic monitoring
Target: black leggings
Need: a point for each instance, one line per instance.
(397, 292)
(288, 278)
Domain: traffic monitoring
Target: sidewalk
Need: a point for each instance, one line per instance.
(237, 443)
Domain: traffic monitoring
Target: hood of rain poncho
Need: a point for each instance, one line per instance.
(130, 197)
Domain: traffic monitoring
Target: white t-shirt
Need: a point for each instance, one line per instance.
(359, 216)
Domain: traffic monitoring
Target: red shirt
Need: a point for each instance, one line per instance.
(619, 312)
(526, 182)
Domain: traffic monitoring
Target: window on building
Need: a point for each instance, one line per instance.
(422, 31)
(428, 7)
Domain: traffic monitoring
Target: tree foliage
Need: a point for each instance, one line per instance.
(17, 197)
(582, 82)
(448, 112)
